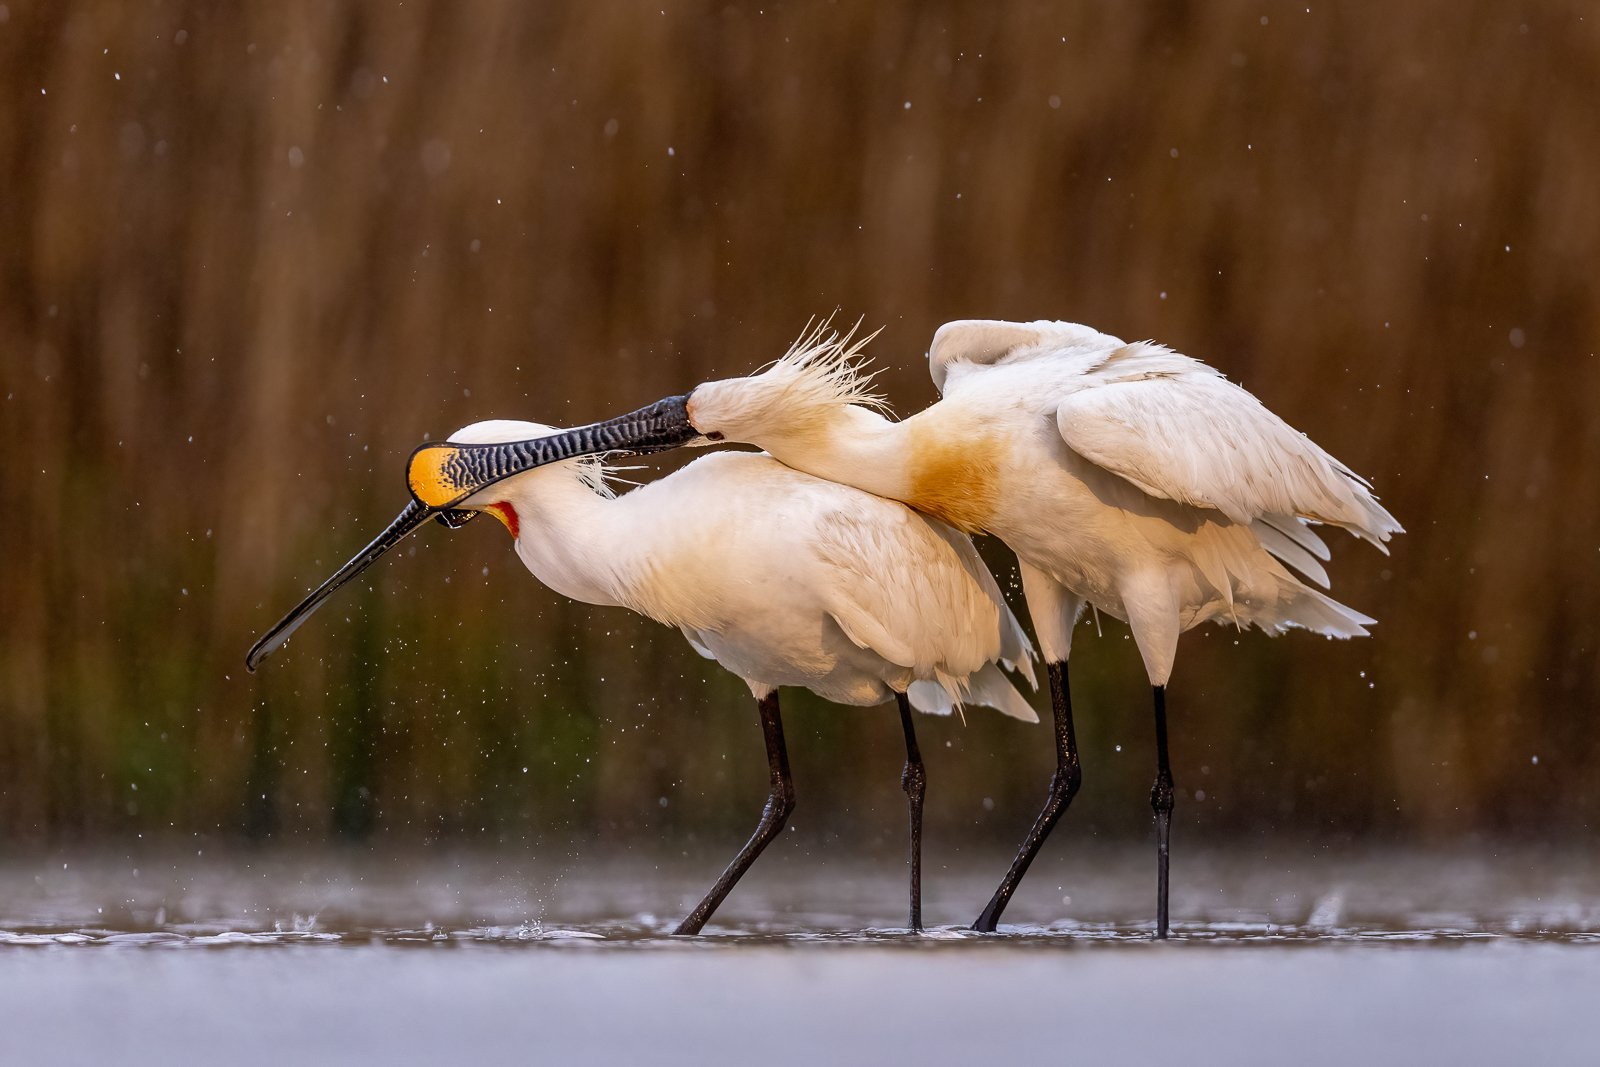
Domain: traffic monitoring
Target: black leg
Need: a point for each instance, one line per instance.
(914, 780)
(1161, 798)
(780, 802)
(1063, 787)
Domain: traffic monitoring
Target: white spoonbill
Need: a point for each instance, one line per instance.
(782, 578)
(1123, 475)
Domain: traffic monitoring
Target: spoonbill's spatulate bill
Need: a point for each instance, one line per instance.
(782, 578)
(1125, 476)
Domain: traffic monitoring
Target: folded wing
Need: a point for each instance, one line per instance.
(1179, 430)
(920, 596)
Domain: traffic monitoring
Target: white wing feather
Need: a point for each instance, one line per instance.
(1202, 440)
(909, 593)
(1016, 650)
(1179, 430)
(1176, 429)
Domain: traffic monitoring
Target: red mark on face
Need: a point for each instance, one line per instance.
(508, 517)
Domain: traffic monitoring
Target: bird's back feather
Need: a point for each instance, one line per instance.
(1172, 426)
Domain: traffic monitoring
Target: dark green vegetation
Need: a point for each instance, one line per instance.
(254, 253)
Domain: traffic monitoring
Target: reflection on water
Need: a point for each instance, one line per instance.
(584, 899)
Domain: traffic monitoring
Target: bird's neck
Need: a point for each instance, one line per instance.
(850, 445)
(568, 538)
(928, 461)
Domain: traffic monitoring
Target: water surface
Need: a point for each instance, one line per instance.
(1312, 957)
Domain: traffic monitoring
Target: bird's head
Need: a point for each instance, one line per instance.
(500, 498)
(477, 470)
(819, 375)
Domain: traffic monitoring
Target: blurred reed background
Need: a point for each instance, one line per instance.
(254, 253)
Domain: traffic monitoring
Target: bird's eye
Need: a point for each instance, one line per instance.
(714, 436)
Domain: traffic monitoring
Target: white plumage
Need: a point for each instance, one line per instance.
(1222, 485)
(1123, 475)
(782, 578)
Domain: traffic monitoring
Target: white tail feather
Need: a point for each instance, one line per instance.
(1292, 552)
(1308, 609)
(987, 686)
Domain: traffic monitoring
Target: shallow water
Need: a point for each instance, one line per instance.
(1277, 956)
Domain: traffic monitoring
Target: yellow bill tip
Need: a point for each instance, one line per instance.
(437, 475)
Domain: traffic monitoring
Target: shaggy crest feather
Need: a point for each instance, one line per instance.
(823, 369)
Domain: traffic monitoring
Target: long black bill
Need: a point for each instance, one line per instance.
(408, 522)
(443, 473)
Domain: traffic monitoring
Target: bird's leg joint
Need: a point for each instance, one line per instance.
(780, 805)
(1162, 794)
(914, 780)
(1065, 782)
